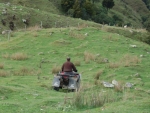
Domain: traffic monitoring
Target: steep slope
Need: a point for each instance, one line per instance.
(29, 57)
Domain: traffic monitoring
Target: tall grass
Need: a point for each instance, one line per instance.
(94, 98)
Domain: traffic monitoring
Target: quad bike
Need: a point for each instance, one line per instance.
(64, 80)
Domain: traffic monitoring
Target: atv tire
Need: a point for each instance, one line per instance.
(56, 88)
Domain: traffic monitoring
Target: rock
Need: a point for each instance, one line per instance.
(137, 75)
(134, 46)
(114, 82)
(105, 60)
(128, 85)
(107, 84)
(40, 53)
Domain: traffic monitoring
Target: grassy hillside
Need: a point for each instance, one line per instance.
(29, 59)
(49, 12)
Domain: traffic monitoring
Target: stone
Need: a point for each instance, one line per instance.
(107, 84)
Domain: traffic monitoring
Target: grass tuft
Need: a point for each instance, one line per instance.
(130, 60)
(25, 71)
(3, 73)
(98, 74)
(76, 35)
(56, 69)
(34, 28)
(77, 63)
(88, 57)
(61, 42)
(113, 65)
(94, 98)
(1, 66)
(19, 56)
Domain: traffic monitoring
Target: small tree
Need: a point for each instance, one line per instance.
(108, 4)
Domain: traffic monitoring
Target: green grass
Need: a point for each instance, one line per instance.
(27, 85)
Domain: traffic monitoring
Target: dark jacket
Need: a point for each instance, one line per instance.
(68, 67)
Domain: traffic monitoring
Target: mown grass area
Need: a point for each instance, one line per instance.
(30, 58)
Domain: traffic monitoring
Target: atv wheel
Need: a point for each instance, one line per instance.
(56, 88)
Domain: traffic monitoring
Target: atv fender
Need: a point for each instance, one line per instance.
(72, 83)
(56, 81)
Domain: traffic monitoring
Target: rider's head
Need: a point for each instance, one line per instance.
(68, 58)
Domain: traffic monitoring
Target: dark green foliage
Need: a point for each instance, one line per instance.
(147, 24)
(118, 21)
(148, 27)
(82, 9)
(93, 1)
(67, 4)
(108, 4)
(147, 3)
(85, 9)
(102, 18)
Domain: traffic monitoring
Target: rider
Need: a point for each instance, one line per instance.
(69, 67)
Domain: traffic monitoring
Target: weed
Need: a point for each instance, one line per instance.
(19, 56)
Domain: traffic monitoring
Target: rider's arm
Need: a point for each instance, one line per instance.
(74, 68)
(62, 68)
